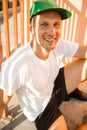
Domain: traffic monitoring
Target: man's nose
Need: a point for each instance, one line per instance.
(51, 30)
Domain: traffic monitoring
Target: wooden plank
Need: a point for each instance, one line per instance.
(14, 6)
(28, 21)
(1, 51)
(6, 24)
(22, 20)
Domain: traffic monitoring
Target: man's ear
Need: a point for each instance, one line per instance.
(30, 27)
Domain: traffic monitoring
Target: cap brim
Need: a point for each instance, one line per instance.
(61, 11)
(41, 6)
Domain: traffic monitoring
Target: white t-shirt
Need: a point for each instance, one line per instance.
(31, 78)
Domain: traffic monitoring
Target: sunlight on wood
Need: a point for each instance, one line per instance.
(77, 4)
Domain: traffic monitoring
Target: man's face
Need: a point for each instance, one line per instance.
(46, 29)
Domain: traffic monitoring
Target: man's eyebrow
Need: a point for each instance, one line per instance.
(46, 20)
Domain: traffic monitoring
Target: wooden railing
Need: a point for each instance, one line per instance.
(70, 27)
(5, 16)
(7, 23)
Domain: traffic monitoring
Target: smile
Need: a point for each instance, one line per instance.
(50, 40)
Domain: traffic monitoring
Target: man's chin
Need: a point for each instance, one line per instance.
(51, 48)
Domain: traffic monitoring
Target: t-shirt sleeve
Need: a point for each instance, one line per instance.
(9, 78)
(13, 71)
(66, 49)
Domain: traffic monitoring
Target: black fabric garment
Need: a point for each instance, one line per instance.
(51, 112)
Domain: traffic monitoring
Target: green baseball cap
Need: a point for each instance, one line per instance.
(46, 5)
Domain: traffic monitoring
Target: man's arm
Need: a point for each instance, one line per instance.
(82, 52)
(4, 99)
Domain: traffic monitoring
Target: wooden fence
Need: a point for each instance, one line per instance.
(15, 23)
(74, 29)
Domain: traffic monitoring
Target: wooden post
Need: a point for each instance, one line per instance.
(6, 24)
(28, 21)
(1, 53)
(14, 6)
(22, 20)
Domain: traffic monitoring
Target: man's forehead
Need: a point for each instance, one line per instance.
(48, 15)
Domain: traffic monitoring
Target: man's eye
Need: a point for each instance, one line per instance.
(44, 24)
(57, 24)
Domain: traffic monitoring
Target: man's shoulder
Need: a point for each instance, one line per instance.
(18, 56)
(19, 52)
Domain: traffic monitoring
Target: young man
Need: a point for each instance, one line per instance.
(33, 71)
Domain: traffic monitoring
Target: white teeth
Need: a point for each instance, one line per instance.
(50, 40)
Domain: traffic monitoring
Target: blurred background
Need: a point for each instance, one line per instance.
(14, 23)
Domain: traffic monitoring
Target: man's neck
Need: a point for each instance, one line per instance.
(39, 52)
